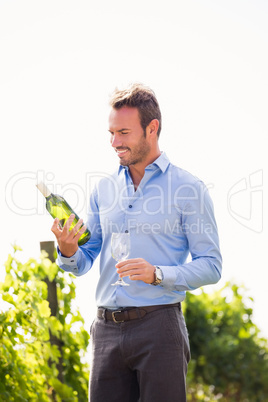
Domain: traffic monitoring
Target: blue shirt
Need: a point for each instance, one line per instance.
(168, 217)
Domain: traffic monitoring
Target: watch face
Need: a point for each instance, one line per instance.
(159, 274)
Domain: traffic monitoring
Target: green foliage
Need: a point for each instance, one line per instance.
(229, 358)
(28, 360)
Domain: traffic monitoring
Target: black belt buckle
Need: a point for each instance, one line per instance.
(114, 317)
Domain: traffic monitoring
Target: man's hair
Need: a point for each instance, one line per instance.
(141, 97)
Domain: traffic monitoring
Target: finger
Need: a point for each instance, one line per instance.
(133, 261)
(55, 227)
(136, 276)
(130, 272)
(79, 228)
(68, 223)
(130, 266)
(141, 276)
(74, 230)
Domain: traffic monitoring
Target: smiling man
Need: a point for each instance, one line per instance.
(139, 337)
(135, 146)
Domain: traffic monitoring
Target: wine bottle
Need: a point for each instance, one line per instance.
(58, 207)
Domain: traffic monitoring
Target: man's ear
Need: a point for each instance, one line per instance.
(152, 128)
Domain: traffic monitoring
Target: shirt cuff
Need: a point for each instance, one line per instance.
(169, 277)
(69, 264)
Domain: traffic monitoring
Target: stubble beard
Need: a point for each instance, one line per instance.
(136, 155)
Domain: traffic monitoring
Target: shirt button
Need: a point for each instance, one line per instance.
(126, 231)
(130, 206)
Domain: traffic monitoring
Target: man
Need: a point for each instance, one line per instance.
(140, 341)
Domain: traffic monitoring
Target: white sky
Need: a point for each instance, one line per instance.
(207, 62)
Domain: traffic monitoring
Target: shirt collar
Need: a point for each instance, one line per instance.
(162, 162)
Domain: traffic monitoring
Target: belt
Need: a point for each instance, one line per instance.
(130, 313)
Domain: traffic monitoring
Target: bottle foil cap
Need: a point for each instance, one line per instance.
(43, 189)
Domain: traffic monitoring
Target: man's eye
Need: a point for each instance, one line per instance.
(124, 132)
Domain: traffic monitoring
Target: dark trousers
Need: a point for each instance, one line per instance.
(142, 360)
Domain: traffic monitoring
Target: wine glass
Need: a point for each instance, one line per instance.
(120, 248)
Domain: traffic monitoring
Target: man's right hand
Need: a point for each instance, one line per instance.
(68, 239)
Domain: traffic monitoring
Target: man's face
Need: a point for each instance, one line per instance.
(127, 136)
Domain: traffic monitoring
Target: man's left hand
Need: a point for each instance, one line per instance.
(137, 269)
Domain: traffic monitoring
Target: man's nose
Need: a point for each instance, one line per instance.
(116, 141)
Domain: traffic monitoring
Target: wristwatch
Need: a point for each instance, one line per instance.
(158, 274)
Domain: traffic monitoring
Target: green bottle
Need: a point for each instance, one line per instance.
(58, 207)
